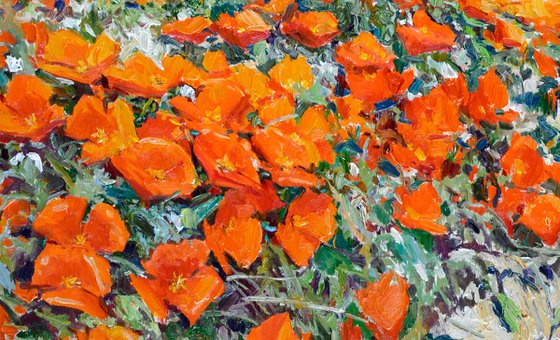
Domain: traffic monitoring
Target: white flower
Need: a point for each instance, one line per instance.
(188, 92)
(14, 64)
(32, 156)
(354, 170)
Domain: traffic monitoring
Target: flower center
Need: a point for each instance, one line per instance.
(70, 281)
(80, 240)
(158, 174)
(225, 164)
(363, 56)
(215, 115)
(424, 29)
(284, 161)
(229, 226)
(82, 66)
(31, 120)
(298, 221)
(100, 136)
(177, 282)
(157, 80)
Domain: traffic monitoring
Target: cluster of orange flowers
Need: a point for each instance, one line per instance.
(246, 161)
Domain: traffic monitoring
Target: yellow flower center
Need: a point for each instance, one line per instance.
(80, 240)
(158, 174)
(229, 226)
(519, 166)
(241, 29)
(420, 154)
(70, 281)
(424, 29)
(31, 120)
(100, 136)
(284, 161)
(226, 164)
(215, 115)
(363, 56)
(298, 221)
(177, 282)
(157, 80)
(82, 66)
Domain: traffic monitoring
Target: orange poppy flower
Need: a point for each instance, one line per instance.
(7, 328)
(140, 76)
(167, 126)
(277, 327)
(385, 303)
(194, 30)
(234, 232)
(434, 113)
(425, 153)
(350, 110)
(313, 29)
(6, 39)
(73, 277)
(490, 96)
(243, 29)
(286, 146)
(293, 177)
(254, 83)
(68, 55)
(38, 34)
(262, 199)
(221, 104)
(364, 53)
(228, 160)
(179, 277)
(156, 168)
(215, 62)
(349, 331)
(314, 124)
(380, 85)
(277, 109)
(426, 35)
(15, 215)
(61, 223)
(511, 203)
(103, 332)
(293, 75)
(506, 34)
(276, 8)
(542, 216)
(25, 111)
(106, 130)
(546, 64)
(434, 118)
(523, 162)
(420, 209)
(476, 10)
(309, 222)
(289, 150)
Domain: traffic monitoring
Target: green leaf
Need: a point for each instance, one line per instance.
(381, 214)
(329, 260)
(510, 312)
(134, 313)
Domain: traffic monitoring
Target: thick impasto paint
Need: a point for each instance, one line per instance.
(279, 169)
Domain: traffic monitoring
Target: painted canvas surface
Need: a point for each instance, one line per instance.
(279, 169)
